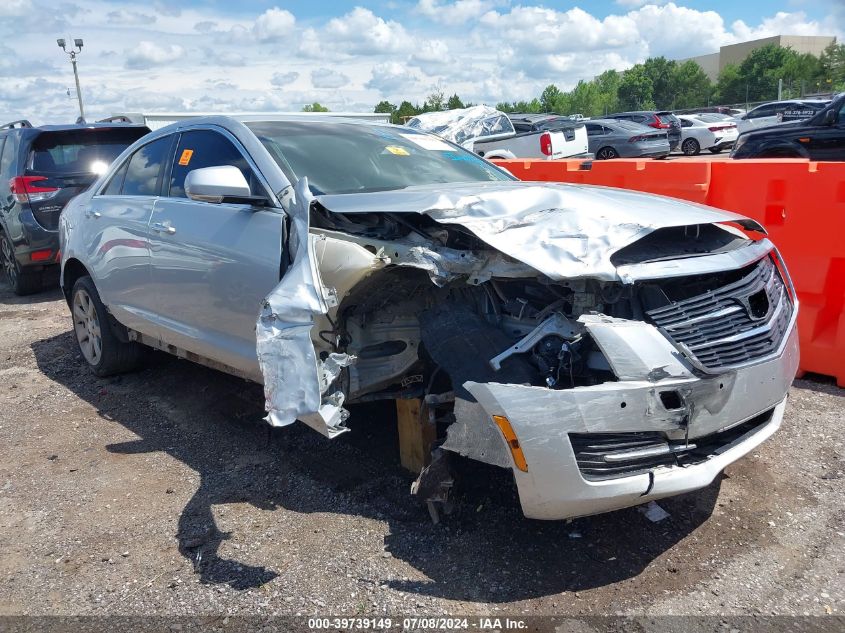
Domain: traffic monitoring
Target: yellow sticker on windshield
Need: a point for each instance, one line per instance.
(185, 158)
(397, 151)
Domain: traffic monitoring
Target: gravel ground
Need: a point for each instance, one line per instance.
(160, 492)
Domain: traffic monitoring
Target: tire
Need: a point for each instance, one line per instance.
(21, 281)
(104, 352)
(606, 153)
(715, 150)
(690, 147)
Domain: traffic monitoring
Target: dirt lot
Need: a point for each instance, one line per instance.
(161, 492)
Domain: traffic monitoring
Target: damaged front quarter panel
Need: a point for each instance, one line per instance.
(296, 382)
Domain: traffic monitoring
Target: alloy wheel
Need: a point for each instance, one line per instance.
(10, 268)
(86, 324)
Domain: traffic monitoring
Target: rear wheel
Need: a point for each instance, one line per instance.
(715, 150)
(22, 282)
(606, 153)
(690, 147)
(104, 352)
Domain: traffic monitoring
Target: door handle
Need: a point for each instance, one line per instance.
(92, 214)
(161, 227)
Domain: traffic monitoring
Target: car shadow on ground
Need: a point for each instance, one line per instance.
(485, 551)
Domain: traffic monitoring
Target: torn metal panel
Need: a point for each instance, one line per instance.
(474, 435)
(563, 231)
(295, 380)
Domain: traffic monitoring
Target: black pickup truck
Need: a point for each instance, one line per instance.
(820, 137)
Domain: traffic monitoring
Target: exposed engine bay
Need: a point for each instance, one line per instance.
(502, 318)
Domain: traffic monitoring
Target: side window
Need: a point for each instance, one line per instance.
(7, 158)
(116, 182)
(686, 123)
(207, 148)
(144, 169)
(594, 129)
(767, 110)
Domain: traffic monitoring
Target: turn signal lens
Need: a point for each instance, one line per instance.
(513, 443)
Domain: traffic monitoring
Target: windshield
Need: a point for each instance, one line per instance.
(86, 151)
(340, 157)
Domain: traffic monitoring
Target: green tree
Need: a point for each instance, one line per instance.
(385, 107)
(731, 85)
(832, 66)
(693, 88)
(454, 103)
(636, 90)
(435, 102)
(550, 97)
(315, 107)
(405, 111)
(661, 73)
(608, 87)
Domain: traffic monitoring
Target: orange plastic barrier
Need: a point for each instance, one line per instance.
(801, 204)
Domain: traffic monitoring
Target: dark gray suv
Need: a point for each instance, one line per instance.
(41, 169)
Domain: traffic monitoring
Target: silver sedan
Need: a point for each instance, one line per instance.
(604, 346)
(615, 138)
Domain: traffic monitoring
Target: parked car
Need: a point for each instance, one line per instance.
(607, 347)
(612, 138)
(491, 134)
(772, 113)
(660, 120)
(698, 133)
(41, 168)
(821, 137)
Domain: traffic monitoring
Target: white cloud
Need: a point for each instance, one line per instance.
(202, 56)
(130, 17)
(391, 79)
(148, 54)
(455, 13)
(361, 32)
(328, 78)
(283, 79)
(274, 23)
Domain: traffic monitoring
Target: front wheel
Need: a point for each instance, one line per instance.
(104, 352)
(690, 147)
(606, 153)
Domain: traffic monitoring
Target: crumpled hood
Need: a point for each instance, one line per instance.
(561, 230)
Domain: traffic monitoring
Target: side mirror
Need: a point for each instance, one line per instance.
(216, 184)
(829, 117)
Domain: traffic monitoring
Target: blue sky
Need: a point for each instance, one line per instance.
(215, 55)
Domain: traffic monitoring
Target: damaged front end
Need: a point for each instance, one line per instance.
(607, 347)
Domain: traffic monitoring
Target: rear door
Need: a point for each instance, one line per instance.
(213, 263)
(65, 163)
(117, 235)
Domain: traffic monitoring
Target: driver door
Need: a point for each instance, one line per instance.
(212, 264)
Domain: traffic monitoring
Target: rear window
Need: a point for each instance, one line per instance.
(667, 117)
(346, 158)
(85, 151)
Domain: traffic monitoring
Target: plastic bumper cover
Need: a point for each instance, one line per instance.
(554, 488)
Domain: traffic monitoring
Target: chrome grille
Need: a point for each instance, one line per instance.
(611, 455)
(732, 325)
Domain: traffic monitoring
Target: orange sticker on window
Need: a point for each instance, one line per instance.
(185, 158)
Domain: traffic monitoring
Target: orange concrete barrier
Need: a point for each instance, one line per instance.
(801, 204)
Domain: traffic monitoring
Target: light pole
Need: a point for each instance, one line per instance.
(73, 53)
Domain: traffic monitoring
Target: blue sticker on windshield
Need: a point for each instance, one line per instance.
(469, 158)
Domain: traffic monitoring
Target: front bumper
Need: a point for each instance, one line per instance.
(554, 487)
